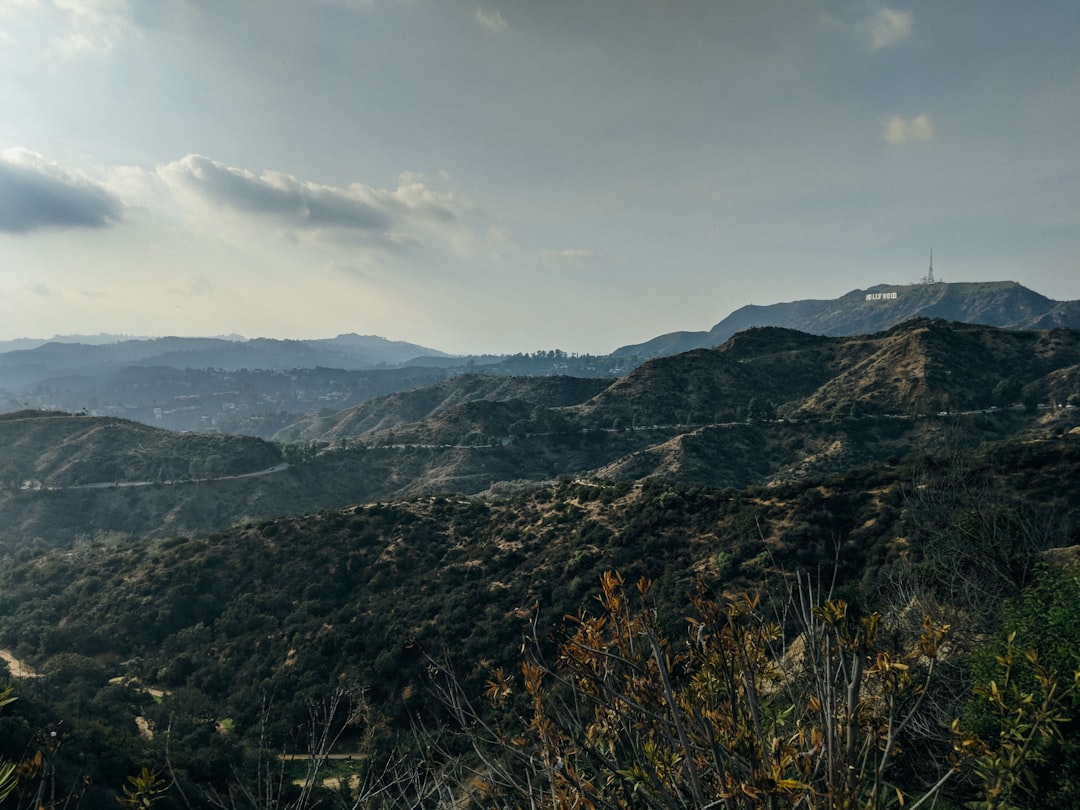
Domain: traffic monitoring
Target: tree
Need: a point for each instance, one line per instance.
(760, 410)
(978, 543)
(1007, 392)
(1023, 724)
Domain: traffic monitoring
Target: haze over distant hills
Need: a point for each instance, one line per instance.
(262, 387)
(1005, 304)
(61, 357)
(770, 405)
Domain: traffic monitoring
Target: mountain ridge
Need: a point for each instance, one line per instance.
(348, 351)
(770, 405)
(1004, 304)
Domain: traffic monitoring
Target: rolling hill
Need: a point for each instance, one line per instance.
(918, 366)
(193, 599)
(770, 405)
(204, 651)
(418, 404)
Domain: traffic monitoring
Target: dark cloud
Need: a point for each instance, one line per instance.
(279, 195)
(35, 196)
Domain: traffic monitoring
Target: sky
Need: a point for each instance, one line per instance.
(513, 175)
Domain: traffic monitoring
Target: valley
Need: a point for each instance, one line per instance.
(353, 598)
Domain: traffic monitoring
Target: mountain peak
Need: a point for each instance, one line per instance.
(1006, 304)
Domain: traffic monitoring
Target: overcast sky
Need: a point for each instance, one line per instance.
(511, 175)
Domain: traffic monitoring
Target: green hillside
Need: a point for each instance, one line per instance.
(203, 605)
(286, 610)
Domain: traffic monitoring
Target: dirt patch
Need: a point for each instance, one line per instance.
(145, 727)
(16, 667)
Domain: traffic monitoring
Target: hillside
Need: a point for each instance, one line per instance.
(918, 366)
(201, 600)
(196, 636)
(425, 402)
(1004, 304)
(57, 451)
(769, 406)
(288, 390)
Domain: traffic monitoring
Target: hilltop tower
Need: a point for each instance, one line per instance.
(929, 277)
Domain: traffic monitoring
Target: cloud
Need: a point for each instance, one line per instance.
(569, 255)
(885, 27)
(491, 20)
(413, 216)
(347, 268)
(35, 194)
(73, 27)
(40, 290)
(905, 130)
(304, 204)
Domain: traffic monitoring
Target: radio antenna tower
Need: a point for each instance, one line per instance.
(929, 277)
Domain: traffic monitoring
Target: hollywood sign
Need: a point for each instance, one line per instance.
(889, 296)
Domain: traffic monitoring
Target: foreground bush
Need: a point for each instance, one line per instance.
(736, 714)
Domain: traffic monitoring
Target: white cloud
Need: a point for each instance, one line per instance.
(885, 27)
(63, 29)
(274, 194)
(89, 26)
(306, 205)
(905, 130)
(380, 227)
(491, 20)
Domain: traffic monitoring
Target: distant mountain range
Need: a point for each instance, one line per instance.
(1005, 304)
(770, 405)
(289, 389)
(62, 358)
(920, 367)
(214, 589)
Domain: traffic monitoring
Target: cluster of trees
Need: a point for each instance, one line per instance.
(744, 705)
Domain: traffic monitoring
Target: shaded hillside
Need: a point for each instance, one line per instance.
(91, 476)
(419, 404)
(770, 406)
(55, 450)
(703, 386)
(1004, 304)
(735, 455)
(919, 366)
(281, 612)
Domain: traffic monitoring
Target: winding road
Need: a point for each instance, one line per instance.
(113, 484)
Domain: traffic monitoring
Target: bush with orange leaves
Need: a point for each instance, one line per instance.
(730, 716)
